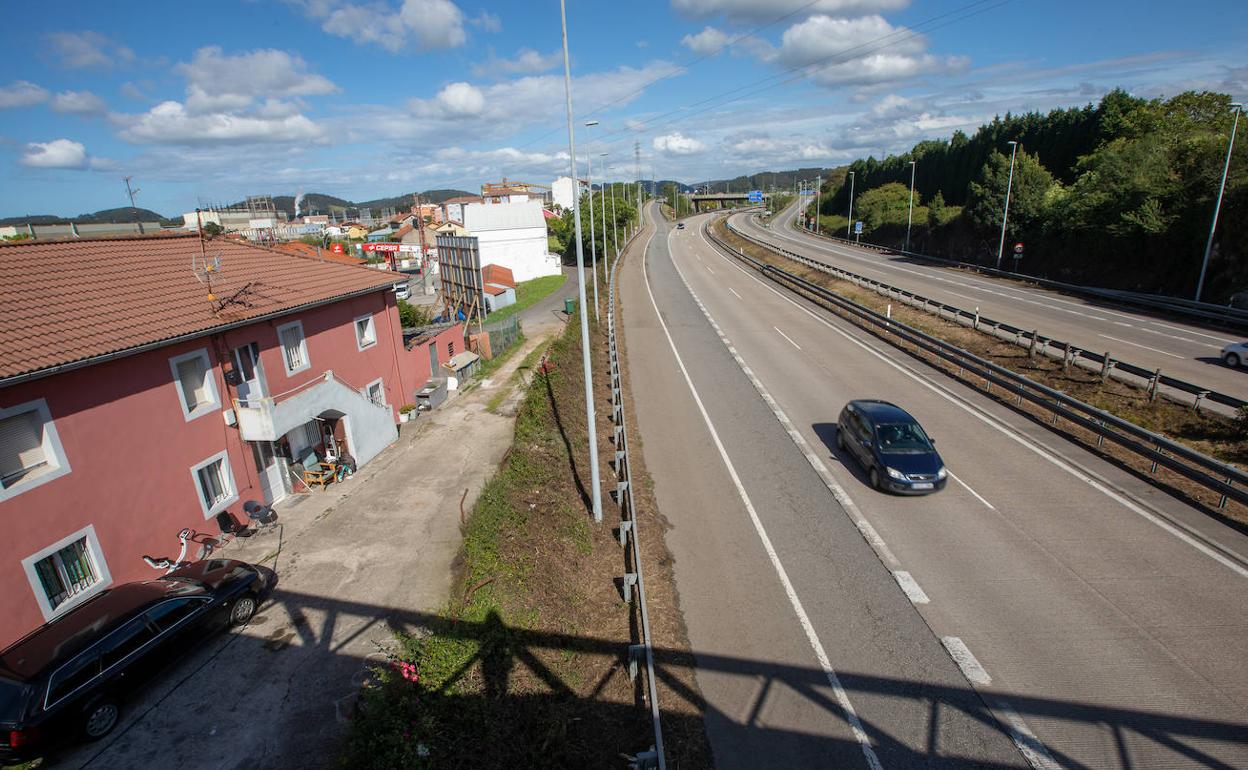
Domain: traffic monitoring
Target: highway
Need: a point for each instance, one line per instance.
(1183, 350)
(1046, 609)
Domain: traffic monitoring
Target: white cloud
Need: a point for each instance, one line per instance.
(677, 143)
(81, 50)
(218, 81)
(527, 62)
(58, 153)
(171, 123)
(489, 22)
(429, 25)
(708, 42)
(21, 93)
(79, 103)
(860, 51)
(762, 10)
(459, 100)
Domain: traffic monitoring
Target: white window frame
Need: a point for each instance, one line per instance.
(227, 475)
(97, 557)
(214, 401)
(303, 347)
(380, 383)
(372, 324)
(53, 452)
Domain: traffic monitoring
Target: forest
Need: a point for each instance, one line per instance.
(1120, 195)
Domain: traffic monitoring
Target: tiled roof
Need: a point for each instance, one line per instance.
(498, 274)
(463, 199)
(70, 301)
(300, 249)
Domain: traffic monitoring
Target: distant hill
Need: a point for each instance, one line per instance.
(320, 203)
(124, 214)
(765, 180)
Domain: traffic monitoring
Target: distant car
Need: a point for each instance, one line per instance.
(69, 676)
(891, 446)
(1235, 354)
(403, 291)
(680, 225)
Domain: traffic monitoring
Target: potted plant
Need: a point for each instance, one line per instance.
(407, 412)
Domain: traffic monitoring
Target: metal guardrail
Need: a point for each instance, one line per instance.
(1159, 450)
(634, 583)
(1221, 315)
(1023, 337)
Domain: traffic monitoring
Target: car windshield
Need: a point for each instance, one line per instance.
(904, 437)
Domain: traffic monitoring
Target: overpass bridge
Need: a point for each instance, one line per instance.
(742, 197)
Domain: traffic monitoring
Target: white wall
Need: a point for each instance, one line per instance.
(563, 191)
(524, 250)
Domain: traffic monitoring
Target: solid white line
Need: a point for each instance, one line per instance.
(787, 337)
(961, 655)
(967, 487)
(1138, 345)
(842, 697)
(910, 586)
(734, 293)
(1010, 433)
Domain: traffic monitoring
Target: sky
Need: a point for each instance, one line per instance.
(203, 104)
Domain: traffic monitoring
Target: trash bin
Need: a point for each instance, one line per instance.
(569, 305)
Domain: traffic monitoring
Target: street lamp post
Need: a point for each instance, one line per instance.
(615, 224)
(910, 216)
(818, 196)
(593, 242)
(1009, 186)
(1204, 265)
(602, 204)
(591, 424)
(850, 223)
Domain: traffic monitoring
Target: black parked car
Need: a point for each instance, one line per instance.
(69, 676)
(892, 447)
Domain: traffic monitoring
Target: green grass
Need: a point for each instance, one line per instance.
(529, 293)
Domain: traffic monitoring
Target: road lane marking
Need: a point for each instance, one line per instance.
(967, 487)
(842, 697)
(970, 666)
(708, 269)
(734, 293)
(1138, 345)
(910, 586)
(1177, 337)
(1086, 476)
(1223, 340)
(787, 337)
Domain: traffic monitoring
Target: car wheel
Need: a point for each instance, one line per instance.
(1232, 360)
(840, 439)
(100, 719)
(875, 478)
(242, 609)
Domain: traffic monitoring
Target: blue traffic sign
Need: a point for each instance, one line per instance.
(756, 196)
(858, 227)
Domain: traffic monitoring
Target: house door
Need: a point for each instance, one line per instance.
(250, 376)
(271, 471)
(433, 359)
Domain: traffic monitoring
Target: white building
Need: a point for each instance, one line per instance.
(512, 235)
(564, 191)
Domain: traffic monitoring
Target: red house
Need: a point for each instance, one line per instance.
(148, 384)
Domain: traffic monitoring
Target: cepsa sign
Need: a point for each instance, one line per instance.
(337, 248)
(382, 247)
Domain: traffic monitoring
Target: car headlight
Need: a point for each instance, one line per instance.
(942, 473)
(896, 474)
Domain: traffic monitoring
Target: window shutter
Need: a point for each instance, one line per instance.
(292, 344)
(21, 443)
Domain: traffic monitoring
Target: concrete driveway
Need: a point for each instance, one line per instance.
(354, 563)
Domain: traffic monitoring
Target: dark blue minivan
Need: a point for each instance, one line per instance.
(891, 446)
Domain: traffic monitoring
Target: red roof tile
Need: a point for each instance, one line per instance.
(499, 275)
(70, 301)
(300, 249)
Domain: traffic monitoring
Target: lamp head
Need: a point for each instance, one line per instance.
(589, 123)
(1237, 105)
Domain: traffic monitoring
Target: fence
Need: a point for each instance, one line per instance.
(633, 582)
(1030, 339)
(503, 334)
(1158, 450)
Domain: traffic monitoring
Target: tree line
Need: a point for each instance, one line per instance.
(1120, 194)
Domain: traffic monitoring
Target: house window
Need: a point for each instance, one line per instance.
(450, 349)
(365, 332)
(294, 347)
(30, 450)
(192, 373)
(214, 481)
(67, 572)
(376, 392)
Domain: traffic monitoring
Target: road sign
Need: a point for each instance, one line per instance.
(858, 227)
(1018, 250)
(756, 196)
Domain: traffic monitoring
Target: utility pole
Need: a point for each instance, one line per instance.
(1005, 216)
(818, 195)
(1204, 265)
(590, 417)
(850, 223)
(133, 209)
(593, 239)
(910, 216)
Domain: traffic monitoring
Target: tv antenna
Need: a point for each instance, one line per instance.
(205, 266)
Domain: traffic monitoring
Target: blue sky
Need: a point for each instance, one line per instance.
(208, 103)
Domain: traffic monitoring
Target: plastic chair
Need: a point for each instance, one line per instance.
(262, 516)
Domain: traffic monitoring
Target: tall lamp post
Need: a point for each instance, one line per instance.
(910, 216)
(602, 204)
(615, 223)
(593, 239)
(1009, 186)
(851, 205)
(595, 491)
(1204, 265)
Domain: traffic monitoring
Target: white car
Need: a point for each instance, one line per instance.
(1235, 354)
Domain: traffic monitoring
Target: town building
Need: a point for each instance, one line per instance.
(513, 235)
(453, 208)
(564, 191)
(151, 384)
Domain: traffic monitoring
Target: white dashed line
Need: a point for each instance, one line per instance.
(961, 655)
(787, 337)
(1138, 345)
(734, 292)
(910, 586)
(967, 487)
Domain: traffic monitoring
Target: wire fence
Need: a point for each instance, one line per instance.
(640, 653)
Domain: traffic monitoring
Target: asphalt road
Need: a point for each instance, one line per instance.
(1046, 608)
(1186, 351)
